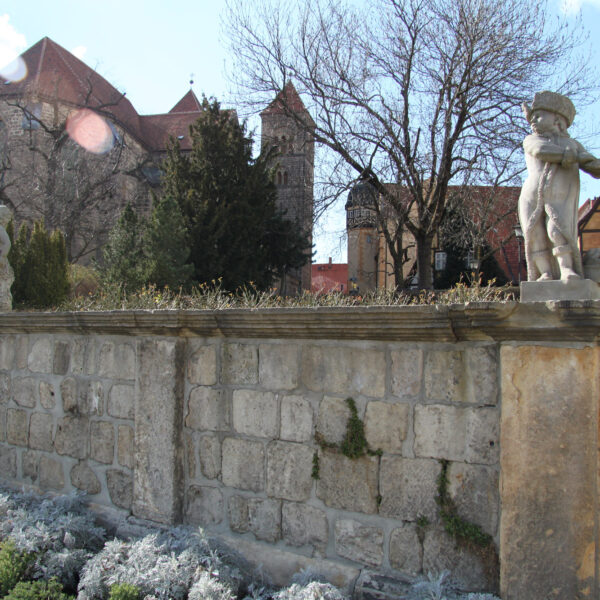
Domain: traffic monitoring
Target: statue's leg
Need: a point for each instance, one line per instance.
(563, 252)
(540, 251)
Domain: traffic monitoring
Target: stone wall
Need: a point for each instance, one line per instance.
(221, 418)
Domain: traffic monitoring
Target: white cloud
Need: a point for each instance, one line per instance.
(12, 43)
(79, 52)
(571, 7)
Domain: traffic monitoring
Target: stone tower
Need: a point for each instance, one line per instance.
(287, 125)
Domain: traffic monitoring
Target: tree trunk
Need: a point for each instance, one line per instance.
(424, 266)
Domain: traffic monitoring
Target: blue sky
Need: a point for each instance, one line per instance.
(149, 48)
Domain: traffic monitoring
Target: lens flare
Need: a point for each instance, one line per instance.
(90, 131)
(15, 70)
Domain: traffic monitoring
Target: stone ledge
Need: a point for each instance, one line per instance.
(571, 321)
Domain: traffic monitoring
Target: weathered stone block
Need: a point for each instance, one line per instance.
(125, 438)
(40, 358)
(120, 488)
(255, 413)
(289, 469)
(482, 370)
(204, 506)
(296, 419)
(22, 351)
(243, 464)
(408, 487)
(91, 398)
(349, 484)
(457, 434)
(40, 432)
(68, 393)
(83, 478)
(7, 352)
(202, 366)
(116, 360)
(208, 410)
(190, 456)
(474, 490)
(47, 396)
(72, 436)
(344, 370)
(468, 570)
(51, 474)
(4, 388)
(17, 427)
(2, 424)
(78, 355)
(406, 372)
(121, 401)
(102, 441)
(406, 552)
(8, 462)
(25, 391)
(332, 419)
(30, 463)
(386, 425)
(210, 456)
(359, 542)
(239, 364)
(278, 366)
(62, 358)
(262, 517)
(303, 524)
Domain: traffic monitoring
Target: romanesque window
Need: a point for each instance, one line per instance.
(279, 178)
(285, 178)
(31, 116)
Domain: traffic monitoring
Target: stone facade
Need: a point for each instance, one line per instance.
(209, 419)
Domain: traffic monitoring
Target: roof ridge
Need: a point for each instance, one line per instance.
(41, 60)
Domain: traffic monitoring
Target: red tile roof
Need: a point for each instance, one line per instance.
(189, 103)
(286, 101)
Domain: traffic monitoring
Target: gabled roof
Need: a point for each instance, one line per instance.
(586, 210)
(189, 103)
(286, 102)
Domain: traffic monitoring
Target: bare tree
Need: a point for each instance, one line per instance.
(420, 94)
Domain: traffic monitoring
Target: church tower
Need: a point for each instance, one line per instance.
(287, 125)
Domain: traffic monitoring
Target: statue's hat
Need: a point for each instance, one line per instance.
(552, 102)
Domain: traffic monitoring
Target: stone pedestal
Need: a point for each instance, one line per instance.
(542, 291)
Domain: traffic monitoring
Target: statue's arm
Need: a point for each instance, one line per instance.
(542, 149)
(588, 162)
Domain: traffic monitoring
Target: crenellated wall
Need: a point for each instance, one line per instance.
(233, 420)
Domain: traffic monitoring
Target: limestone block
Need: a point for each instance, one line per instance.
(239, 364)
(386, 425)
(471, 571)
(406, 552)
(255, 413)
(190, 456)
(406, 372)
(121, 401)
(30, 463)
(62, 358)
(243, 464)
(210, 456)
(2, 424)
(7, 352)
(51, 474)
(25, 391)
(208, 410)
(349, 484)
(358, 542)
(296, 419)
(462, 376)
(40, 432)
(125, 438)
(344, 370)
(278, 366)
(47, 395)
(68, 393)
(40, 359)
(408, 487)
(102, 441)
(120, 488)
(303, 524)
(78, 355)
(8, 462)
(457, 433)
(4, 388)
(474, 490)
(262, 517)
(116, 360)
(332, 419)
(202, 366)
(72, 436)
(204, 506)
(91, 398)
(83, 478)
(289, 469)
(22, 351)
(17, 427)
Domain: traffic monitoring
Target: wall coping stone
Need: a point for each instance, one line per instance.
(555, 321)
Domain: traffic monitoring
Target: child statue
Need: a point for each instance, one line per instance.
(550, 195)
(6, 272)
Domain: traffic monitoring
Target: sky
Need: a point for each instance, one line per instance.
(150, 49)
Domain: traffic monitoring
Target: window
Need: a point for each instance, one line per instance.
(31, 116)
(285, 178)
(279, 178)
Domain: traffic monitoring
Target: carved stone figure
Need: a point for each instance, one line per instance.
(550, 195)
(6, 273)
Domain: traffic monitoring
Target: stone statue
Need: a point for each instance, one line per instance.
(6, 273)
(550, 195)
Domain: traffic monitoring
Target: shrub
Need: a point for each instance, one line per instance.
(14, 566)
(124, 591)
(38, 590)
(83, 280)
(210, 588)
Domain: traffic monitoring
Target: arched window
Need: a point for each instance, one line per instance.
(285, 178)
(279, 178)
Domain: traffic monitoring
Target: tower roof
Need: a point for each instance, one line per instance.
(287, 101)
(189, 103)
